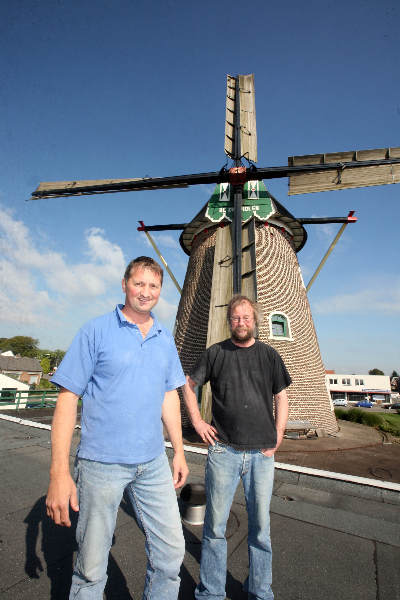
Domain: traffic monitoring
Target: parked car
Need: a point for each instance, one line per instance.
(364, 404)
(395, 406)
(339, 402)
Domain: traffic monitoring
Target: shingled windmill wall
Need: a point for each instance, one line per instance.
(280, 288)
(192, 318)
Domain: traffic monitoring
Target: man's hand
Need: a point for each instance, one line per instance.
(180, 470)
(60, 496)
(271, 451)
(281, 417)
(207, 432)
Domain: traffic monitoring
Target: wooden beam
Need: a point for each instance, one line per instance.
(54, 189)
(350, 219)
(221, 293)
(249, 273)
(346, 175)
(248, 130)
(156, 249)
(247, 109)
(230, 115)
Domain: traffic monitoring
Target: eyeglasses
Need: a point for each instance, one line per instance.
(245, 319)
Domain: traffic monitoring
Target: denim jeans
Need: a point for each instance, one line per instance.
(150, 489)
(225, 467)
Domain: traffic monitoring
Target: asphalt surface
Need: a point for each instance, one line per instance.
(331, 539)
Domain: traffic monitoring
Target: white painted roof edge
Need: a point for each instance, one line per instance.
(387, 485)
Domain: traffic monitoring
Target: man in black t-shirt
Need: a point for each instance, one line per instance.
(247, 377)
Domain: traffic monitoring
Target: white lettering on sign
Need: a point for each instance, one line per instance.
(247, 208)
(229, 209)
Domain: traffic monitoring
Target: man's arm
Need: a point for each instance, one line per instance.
(171, 417)
(281, 417)
(62, 490)
(207, 432)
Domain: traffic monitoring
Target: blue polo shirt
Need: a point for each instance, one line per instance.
(122, 379)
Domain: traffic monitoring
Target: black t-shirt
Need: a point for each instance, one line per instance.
(243, 382)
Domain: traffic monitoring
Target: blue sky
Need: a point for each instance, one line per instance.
(101, 89)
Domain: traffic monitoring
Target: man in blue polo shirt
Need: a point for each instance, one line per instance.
(126, 368)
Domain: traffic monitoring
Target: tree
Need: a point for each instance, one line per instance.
(394, 374)
(46, 385)
(56, 357)
(21, 344)
(3, 343)
(45, 364)
(375, 372)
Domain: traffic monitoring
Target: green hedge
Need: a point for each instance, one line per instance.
(356, 415)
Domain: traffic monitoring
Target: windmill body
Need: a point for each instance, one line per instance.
(271, 275)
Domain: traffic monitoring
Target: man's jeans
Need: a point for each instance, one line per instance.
(151, 492)
(225, 467)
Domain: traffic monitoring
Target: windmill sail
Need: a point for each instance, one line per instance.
(247, 104)
(356, 170)
(56, 189)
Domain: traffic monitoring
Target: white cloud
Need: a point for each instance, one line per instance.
(162, 240)
(20, 300)
(166, 240)
(165, 310)
(383, 298)
(46, 295)
(33, 281)
(327, 230)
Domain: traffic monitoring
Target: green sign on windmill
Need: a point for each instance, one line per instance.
(256, 202)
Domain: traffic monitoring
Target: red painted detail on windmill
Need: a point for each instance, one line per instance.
(350, 218)
(266, 224)
(142, 226)
(237, 176)
(222, 225)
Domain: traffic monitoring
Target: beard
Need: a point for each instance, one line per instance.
(242, 334)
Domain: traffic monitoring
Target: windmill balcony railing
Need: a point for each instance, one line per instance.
(12, 399)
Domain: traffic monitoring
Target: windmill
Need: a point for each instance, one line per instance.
(244, 241)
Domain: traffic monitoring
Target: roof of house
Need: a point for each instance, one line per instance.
(9, 382)
(20, 363)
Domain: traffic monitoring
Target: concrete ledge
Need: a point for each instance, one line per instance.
(370, 489)
(25, 422)
(362, 487)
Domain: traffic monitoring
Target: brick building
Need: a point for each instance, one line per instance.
(22, 368)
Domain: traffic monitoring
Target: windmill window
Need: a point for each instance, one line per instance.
(279, 326)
